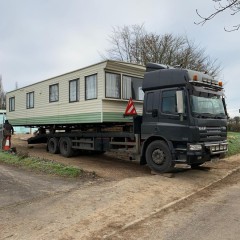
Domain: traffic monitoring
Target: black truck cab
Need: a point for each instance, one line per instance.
(184, 118)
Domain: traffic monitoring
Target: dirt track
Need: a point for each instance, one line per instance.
(71, 209)
(107, 166)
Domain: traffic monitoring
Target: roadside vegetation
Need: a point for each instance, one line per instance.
(234, 143)
(39, 165)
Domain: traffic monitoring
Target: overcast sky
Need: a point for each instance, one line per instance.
(40, 39)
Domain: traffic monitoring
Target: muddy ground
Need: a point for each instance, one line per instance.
(37, 206)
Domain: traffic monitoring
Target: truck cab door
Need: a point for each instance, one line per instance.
(164, 116)
(172, 120)
(150, 113)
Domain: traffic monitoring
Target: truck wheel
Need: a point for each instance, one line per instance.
(53, 145)
(65, 145)
(158, 157)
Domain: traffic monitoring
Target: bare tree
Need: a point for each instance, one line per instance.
(126, 43)
(222, 5)
(2, 95)
(134, 44)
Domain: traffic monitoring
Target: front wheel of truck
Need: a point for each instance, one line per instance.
(158, 157)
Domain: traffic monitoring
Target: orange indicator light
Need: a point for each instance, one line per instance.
(195, 78)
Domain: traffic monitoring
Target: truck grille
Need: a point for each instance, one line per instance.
(213, 134)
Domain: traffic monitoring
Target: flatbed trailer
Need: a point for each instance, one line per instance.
(183, 119)
(69, 142)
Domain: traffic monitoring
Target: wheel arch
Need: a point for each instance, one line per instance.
(148, 141)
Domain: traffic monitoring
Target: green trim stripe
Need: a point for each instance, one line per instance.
(72, 118)
(115, 117)
(60, 119)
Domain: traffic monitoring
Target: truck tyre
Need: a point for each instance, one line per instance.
(53, 146)
(158, 157)
(65, 145)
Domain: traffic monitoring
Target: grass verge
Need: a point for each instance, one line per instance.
(40, 165)
(233, 143)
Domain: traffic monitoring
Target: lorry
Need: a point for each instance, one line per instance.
(182, 115)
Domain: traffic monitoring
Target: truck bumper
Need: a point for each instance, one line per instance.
(202, 152)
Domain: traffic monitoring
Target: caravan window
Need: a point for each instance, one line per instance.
(113, 85)
(53, 93)
(11, 104)
(30, 100)
(91, 87)
(73, 90)
(132, 88)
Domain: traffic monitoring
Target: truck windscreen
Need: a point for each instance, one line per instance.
(205, 105)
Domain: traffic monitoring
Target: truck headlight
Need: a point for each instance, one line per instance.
(213, 148)
(195, 147)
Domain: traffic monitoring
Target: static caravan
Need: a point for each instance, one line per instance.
(95, 94)
(2, 116)
(21, 129)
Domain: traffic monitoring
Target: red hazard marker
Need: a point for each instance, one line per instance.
(130, 109)
(7, 144)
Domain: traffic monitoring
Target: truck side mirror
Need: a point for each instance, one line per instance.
(179, 96)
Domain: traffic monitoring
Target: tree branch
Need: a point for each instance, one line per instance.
(234, 5)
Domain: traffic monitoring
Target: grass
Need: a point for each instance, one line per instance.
(40, 165)
(233, 143)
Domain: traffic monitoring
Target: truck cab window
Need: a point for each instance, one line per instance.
(169, 102)
(209, 105)
(149, 102)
